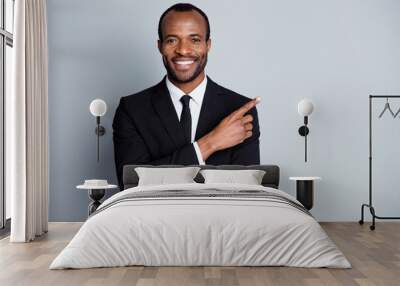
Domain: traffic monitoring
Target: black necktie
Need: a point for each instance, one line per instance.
(186, 118)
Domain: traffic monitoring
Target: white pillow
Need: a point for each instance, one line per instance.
(162, 176)
(248, 177)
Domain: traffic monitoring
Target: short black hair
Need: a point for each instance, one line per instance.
(184, 7)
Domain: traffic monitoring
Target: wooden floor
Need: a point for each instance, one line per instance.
(374, 255)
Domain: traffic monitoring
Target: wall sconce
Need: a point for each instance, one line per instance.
(98, 108)
(305, 108)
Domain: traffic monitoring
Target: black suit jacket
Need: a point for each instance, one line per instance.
(147, 129)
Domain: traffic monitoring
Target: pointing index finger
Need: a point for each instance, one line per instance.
(246, 107)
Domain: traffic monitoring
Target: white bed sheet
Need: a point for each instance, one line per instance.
(200, 231)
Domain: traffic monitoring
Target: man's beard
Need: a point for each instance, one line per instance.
(174, 77)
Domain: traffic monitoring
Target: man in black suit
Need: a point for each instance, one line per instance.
(186, 118)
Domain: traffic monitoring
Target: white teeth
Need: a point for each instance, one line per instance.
(184, 62)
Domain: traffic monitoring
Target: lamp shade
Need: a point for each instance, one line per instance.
(305, 107)
(98, 107)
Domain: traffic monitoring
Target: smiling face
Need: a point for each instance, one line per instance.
(184, 47)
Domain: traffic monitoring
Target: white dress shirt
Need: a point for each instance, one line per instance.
(197, 96)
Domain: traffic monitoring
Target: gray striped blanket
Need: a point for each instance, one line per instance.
(205, 194)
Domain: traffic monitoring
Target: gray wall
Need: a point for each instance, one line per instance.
(333, 52)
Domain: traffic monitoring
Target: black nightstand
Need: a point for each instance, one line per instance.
(96, 193)
(305, 190)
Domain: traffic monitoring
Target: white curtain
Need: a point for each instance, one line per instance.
(27, 123)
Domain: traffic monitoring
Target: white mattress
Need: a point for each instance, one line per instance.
(200, 231)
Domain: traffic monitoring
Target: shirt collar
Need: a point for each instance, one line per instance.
(196, 94)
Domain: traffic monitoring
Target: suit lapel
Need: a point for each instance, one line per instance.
(210, 109)
(163, 105)
(209, 112)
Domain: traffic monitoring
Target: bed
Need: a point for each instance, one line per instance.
(201, 224)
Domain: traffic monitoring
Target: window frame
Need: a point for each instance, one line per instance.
(6, 39)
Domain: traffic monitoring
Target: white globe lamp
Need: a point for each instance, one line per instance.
(98, 108)
(305, 107)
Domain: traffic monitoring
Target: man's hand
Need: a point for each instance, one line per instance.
(231, 131)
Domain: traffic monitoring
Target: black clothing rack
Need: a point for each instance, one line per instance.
(369, 205)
